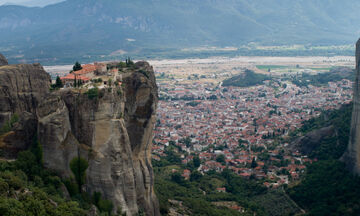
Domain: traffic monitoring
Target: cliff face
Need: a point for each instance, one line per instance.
(22, 87)
(112, 131)
(351, 156)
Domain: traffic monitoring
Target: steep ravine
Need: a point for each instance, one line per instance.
(112, 131)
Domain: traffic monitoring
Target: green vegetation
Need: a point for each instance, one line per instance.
(102, 204)
(77, 66)
(193, 103)
(78, 167)
(27, 189)
(192, 195)
(249, 78)
(199, 193)
(58, 84)
(270, 67)
(327, 187)
(8, 125)
(129, 62)
(333, 146)
(93, 93)
(334, 75)
(276, 203)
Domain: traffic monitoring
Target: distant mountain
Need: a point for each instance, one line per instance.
(98, 28)
(29, 3)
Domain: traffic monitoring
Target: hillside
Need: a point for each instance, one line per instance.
(95, 29)
(335, 74)
(246, 79)
(327, 188)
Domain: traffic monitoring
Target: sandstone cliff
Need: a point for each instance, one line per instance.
(351, 156)
(21, 90)
(113, 131)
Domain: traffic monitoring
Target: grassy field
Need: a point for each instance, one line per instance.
(271, 67)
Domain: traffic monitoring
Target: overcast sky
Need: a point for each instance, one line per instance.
(40, 3)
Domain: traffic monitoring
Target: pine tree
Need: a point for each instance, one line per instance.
(58, 83)
(77, 66)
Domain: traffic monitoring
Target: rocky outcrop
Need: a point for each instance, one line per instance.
(3, 60)
(309, 142)
(22, 88)
(351, 156)
(112, 131)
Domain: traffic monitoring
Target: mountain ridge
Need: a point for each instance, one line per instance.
(107, 26)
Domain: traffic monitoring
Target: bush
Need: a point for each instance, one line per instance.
(12, 180)
(71, 186)
(7, 127)
(93, 93)
(78, 166)
(4, 187)
(27, 162)
(102, 204)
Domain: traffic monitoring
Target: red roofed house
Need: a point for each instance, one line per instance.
(86, 69)
(69, 79)
(221, 190)
(186, 174)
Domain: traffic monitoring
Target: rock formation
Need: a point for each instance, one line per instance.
(112, 131)
(311, 141)
(3, 60)
(21, 90)
(351, 156)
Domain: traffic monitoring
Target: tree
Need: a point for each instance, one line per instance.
(78, 166)
(195, 175)
(129, 62)
(77, 66)
(220, 158)
(58, 83)
(253, 163)
(176, 177)
(196, 161)
(75, 83)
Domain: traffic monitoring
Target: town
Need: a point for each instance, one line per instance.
(241, 129)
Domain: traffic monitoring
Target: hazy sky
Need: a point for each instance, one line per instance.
(29, 2)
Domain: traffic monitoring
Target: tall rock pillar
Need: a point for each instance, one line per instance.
(351, 156)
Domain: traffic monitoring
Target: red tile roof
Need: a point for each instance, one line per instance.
(72, 77)
(88, 68)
